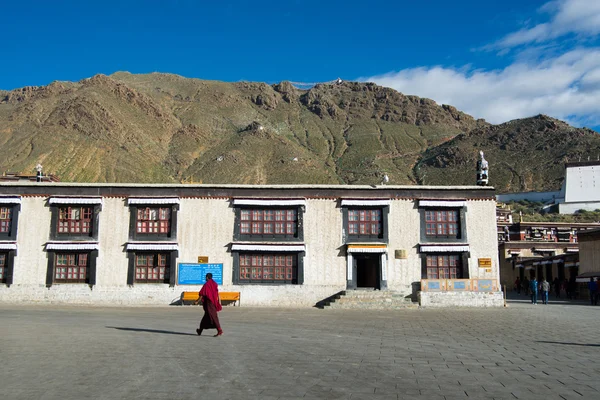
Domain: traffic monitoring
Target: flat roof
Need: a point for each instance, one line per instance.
(236, 186)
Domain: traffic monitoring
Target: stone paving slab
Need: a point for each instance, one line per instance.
(519, 352)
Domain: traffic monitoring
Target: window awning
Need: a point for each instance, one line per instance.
(72, 246)
(537, 263)
(442, 203)
(587, 276)
(274, 202)
(8, 246)
(570, 264)
(267, 247)
(519, 266)
(365, 202)
(365, 248)
(529, 267)
(152, 246)
(75, 200)
(152, 200)
(10, 200)
(443, 248)
(557, 261)
(572, 250)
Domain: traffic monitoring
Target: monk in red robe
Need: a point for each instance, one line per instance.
(209, 296)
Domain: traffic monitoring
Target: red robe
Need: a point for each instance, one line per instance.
(210, 302)
(210, 290)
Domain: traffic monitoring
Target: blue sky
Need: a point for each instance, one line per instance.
(494, 59)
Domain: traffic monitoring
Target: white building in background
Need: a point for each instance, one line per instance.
(278, 245)
(581, 187)
(580, 190)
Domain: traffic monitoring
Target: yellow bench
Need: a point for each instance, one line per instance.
(223, 296)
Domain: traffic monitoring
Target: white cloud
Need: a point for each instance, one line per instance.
(565, 87)
(580, 17)
(543, 78)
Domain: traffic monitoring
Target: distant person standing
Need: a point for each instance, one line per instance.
(556, 284)
(545, 290)
(593, 286)
(518, 285)
(533, 286)
(209, 296)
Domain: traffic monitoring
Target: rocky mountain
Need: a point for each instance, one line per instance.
(166, 128)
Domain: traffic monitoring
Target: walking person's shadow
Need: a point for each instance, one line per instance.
(121, 328)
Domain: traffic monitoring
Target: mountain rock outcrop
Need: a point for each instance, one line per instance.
(166, 128)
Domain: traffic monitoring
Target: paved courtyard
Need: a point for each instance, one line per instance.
(519, 352)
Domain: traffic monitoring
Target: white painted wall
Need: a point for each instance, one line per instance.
(205, 228)
(582, 184)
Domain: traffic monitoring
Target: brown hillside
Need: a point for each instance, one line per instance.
(166, 128)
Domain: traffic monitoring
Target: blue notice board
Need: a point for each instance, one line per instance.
(195, 274)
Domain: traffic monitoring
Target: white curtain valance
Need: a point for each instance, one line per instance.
(273, 202)
(443, 249)
(441, 203)
(72, 246)
(152, 200)
(75, 200)
(267, 247)
(8, 246)
(10, 200)
(152, 246)
(365, 202)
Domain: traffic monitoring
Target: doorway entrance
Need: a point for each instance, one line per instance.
(368, 270)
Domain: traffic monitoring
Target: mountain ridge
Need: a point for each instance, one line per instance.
(167, 128)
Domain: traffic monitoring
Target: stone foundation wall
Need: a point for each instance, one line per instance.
(250, 295)
(461, 299)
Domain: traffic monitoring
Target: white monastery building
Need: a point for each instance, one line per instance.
(277, 245)
(581, 187)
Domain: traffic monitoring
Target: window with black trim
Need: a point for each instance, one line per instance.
(365, 224)
(156, 266)
(71, 267)
(268, 267)
(152, 267)
(3, 267)
(74, 221)
(442, 223)
(9, 214)
(444, 266)
(269, 223)
(153, 222)
(68, 266)
(5, 219)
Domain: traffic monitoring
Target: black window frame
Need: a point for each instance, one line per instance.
(92, 256)
(171, 262)
(7, 277)
(380, 238)
(461, 235)
(55, 216)
(297, 280)
(463, 258)
(269, 237)
(14, 221)
(170, 236)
